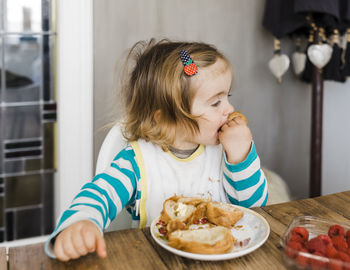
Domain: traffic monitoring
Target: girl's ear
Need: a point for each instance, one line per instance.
(157, 116)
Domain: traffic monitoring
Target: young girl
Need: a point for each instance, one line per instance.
(176, 104)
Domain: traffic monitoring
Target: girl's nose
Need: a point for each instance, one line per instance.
(229, 109)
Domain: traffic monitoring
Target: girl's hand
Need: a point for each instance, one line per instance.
(78, 240)
(236, 139)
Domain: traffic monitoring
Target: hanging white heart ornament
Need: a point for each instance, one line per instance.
(299, 61)
(319, 54)
(278, 65)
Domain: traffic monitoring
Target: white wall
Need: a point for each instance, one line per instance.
(74, 99)
(278, 115)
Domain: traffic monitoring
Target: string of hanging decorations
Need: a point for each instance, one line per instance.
(299, 20)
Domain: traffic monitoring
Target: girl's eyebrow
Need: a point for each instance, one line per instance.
(221, 93)
(217, 95)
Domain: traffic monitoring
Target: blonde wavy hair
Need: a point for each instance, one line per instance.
(154, 80)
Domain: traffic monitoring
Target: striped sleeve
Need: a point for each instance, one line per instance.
(245, 183)
(102, 199)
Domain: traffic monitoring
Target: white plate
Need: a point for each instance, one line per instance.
(251, 226)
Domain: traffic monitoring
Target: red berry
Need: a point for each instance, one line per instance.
(318, 263)
(336, 230)
(343, 256)
(316, 245)
(346, 260)
(292, 248)
(339, 243)
(301, 259)
(297, 238)
(331, 252)
(325, 239)
(302, 232)
(335, 264)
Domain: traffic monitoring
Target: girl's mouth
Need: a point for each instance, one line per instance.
(219, 130)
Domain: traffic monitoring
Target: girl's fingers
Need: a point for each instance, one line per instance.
(79, 244)
(89, 238)
(236, 120)
(101, 246)
(69, 249)
(59, 252)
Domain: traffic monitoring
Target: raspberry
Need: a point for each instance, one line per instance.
(340, 243)
(316, 245)
(335, 264)
(292, 248)
(318, 263)
(331, 252)
(325, 239)
(297, 238)
(343, 256)
(346, 260)
(336, 230)
(302, 232)
(302, 260)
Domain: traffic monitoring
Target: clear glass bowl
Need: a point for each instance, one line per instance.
(303, 260)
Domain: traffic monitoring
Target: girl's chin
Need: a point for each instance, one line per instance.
(216, 141)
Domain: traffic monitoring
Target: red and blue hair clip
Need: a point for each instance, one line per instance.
(190, 67)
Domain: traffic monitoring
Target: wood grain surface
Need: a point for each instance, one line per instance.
(136, 249)
(3, 261)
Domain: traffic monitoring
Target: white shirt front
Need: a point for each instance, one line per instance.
(164, 175)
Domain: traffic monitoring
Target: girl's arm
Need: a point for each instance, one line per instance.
(102, 199)
(245, 182)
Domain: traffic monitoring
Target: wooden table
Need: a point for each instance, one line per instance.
(3, 261)
(135, 248)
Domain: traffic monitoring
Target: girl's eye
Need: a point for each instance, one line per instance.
(216, 103)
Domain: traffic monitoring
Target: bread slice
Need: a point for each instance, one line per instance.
(214, 240)
(176, 211)
(223, 214)
(180, 212)
(192, 200)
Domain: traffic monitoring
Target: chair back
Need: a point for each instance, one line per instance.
(111, 146)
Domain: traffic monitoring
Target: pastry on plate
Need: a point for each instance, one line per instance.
(213, 240)
(178, 212)
(223, 214)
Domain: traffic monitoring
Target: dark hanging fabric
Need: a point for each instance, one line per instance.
(327, 22)
(317, 6)
(346, 70)
(280, 19)
(344, 7)
(332, 71)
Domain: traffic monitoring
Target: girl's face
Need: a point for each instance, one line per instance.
(212, 86)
